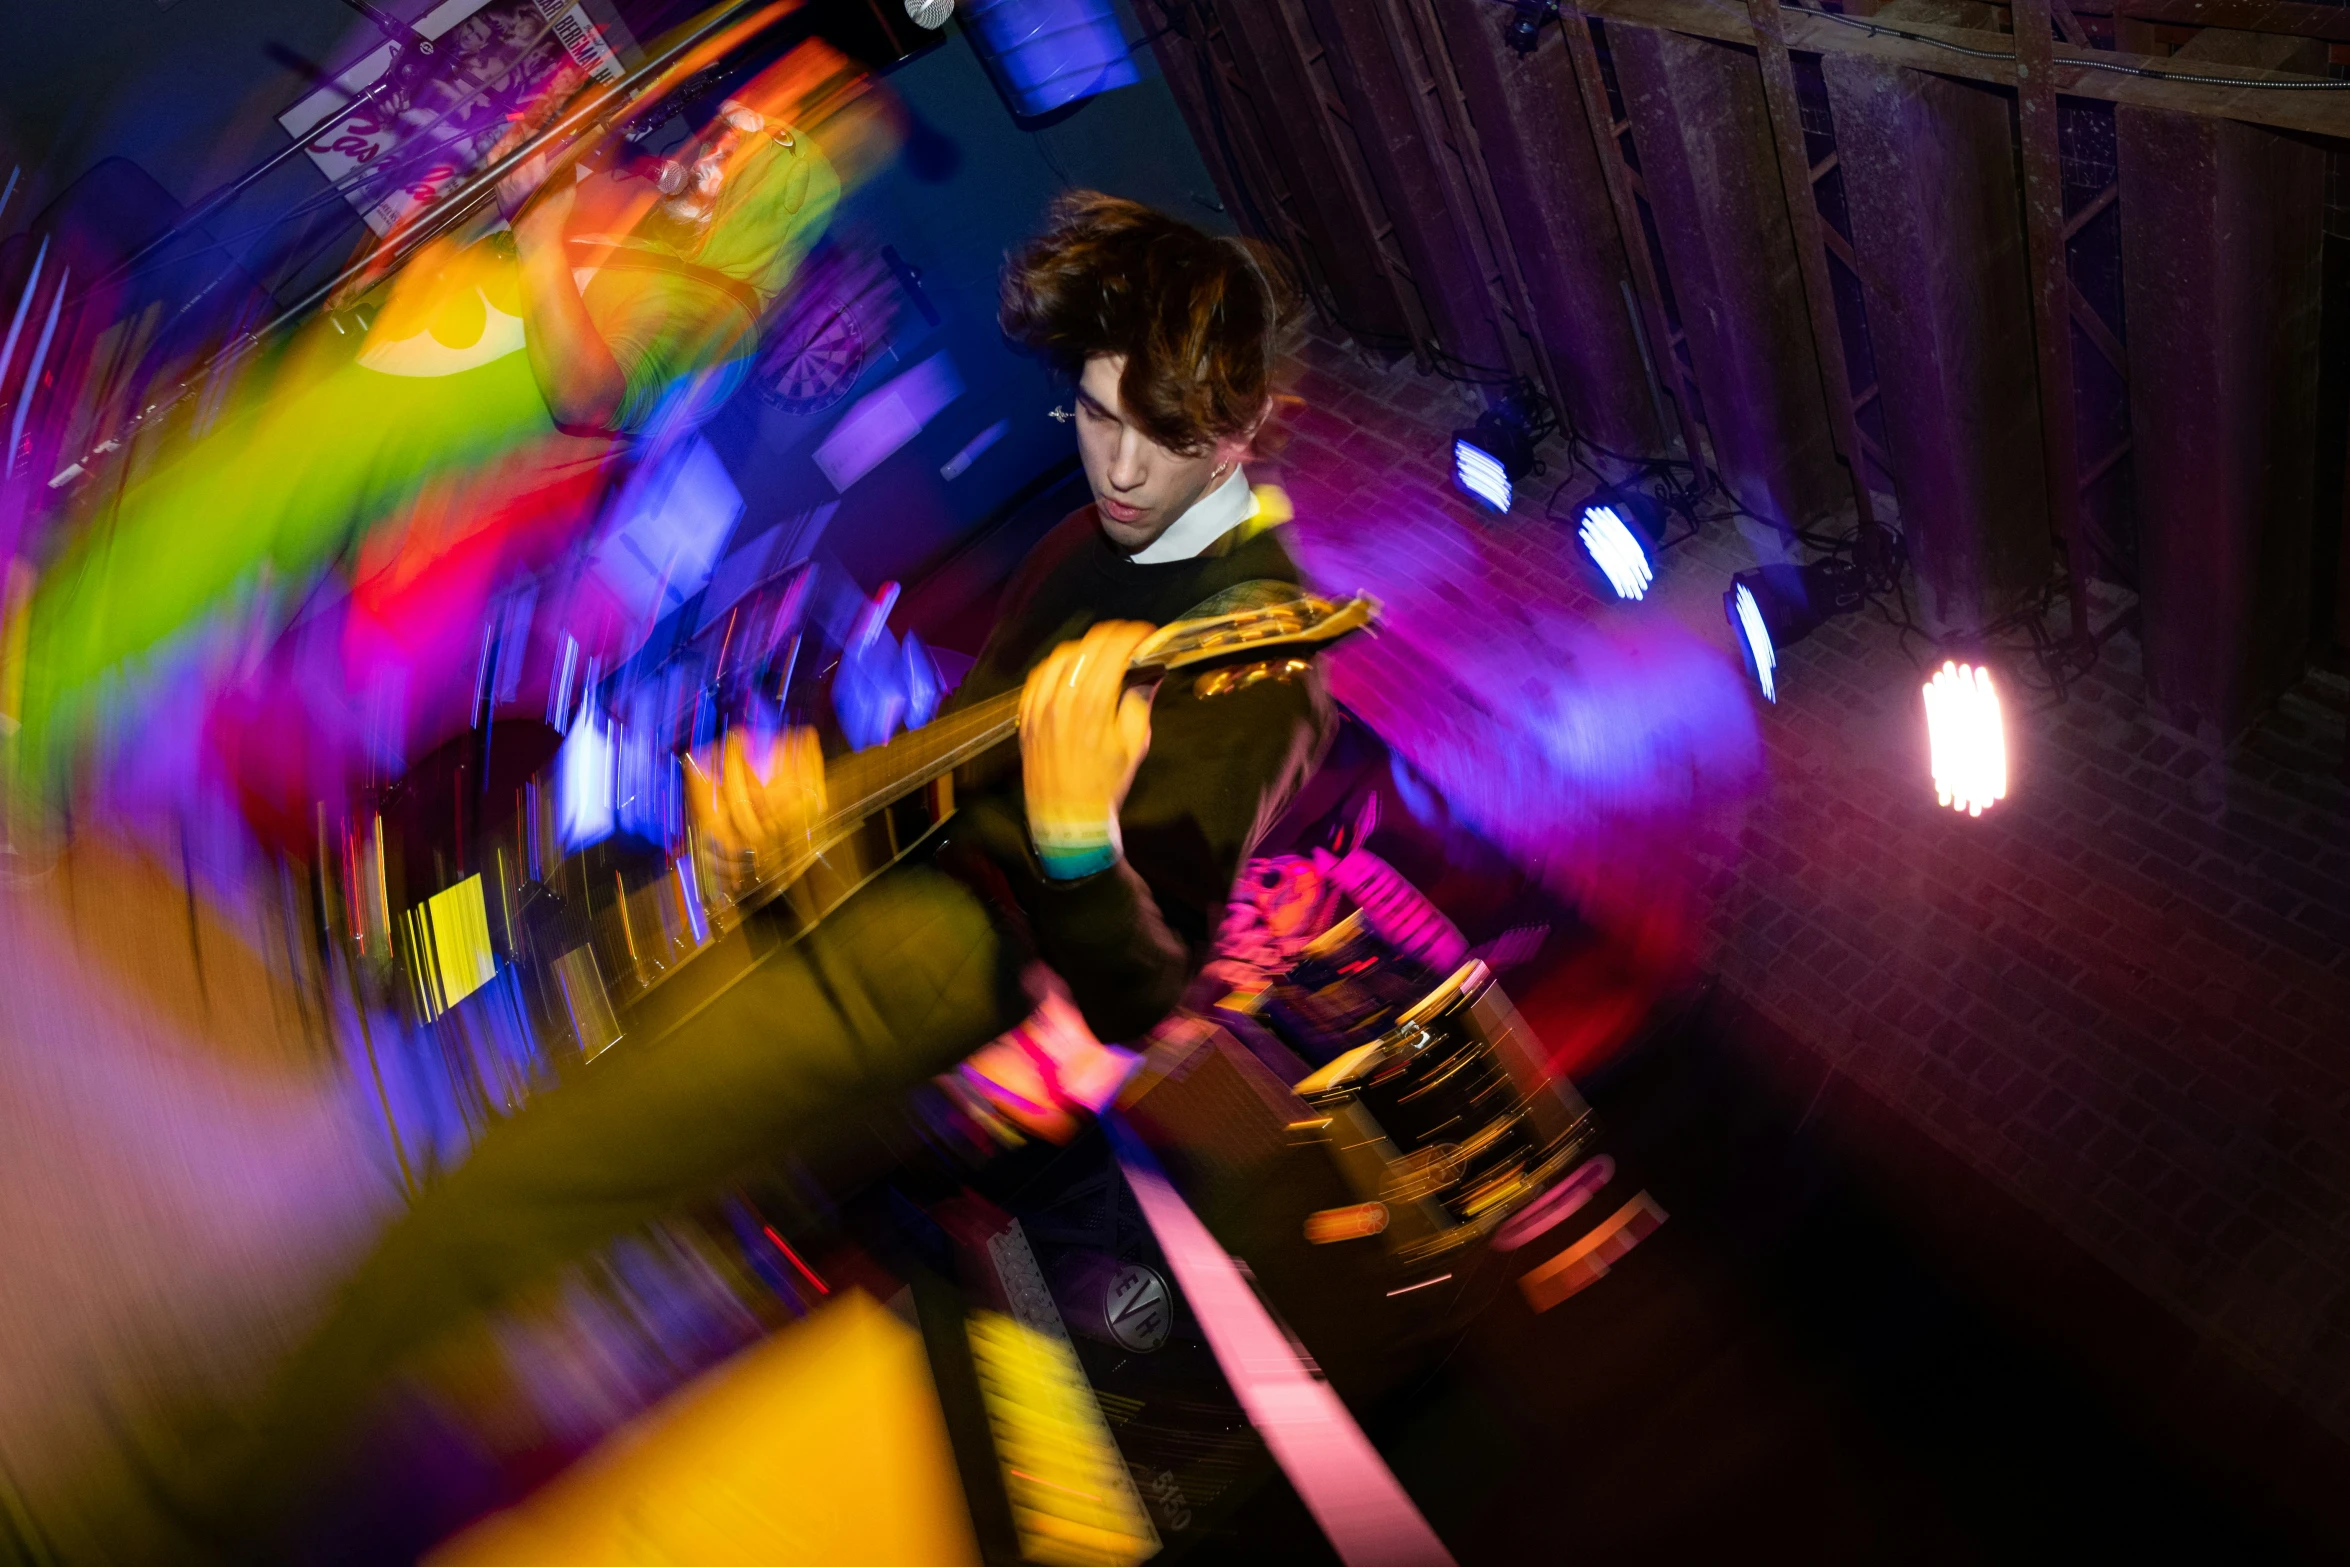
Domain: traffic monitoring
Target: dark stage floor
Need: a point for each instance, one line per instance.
(1780, 1371)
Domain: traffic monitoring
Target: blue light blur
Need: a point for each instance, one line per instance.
(1754, 639)
(1480, 473)
(584, 806)
(1045, 54)
(1617, 551)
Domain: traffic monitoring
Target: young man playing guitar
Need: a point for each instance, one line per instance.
(1108, 855)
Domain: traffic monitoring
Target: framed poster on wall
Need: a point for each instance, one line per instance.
(445, 109)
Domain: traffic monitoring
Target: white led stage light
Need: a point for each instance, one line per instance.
(1480, 473)
(1966, 737)
(1621, 554)
(1754, 639)
(1492, 455)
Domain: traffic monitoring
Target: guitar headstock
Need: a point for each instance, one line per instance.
(1304, 621)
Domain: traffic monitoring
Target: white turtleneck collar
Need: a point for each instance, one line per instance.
(1210, 517)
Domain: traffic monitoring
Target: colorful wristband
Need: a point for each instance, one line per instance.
(1070, 851)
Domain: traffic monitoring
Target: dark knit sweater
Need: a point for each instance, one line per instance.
(1219, 771)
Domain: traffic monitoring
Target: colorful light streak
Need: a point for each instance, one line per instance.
(793, 1258)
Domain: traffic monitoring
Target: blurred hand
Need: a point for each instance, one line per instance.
(749, 806)
(1082, 733)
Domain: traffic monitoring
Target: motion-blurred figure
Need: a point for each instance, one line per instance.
(468, 440)
(1108, 856)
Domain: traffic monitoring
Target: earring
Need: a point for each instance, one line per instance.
(1061, 415)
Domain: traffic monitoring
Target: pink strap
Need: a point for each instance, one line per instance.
(1345, 1484)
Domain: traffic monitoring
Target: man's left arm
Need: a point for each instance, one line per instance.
(1226, 768)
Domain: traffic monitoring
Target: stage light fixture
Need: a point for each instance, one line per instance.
(1523, 31)
(1619, 531)
(1754, 639)
(1773, 606)
(1047, 54)
(1966, 738)
(1480, 473)
(1492, 455)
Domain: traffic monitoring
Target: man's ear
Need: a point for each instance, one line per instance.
(1236, 448)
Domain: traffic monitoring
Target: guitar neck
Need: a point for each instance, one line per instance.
(859, 785)
(862, 782)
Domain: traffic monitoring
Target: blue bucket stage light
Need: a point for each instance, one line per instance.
(1047, 54)
(1480, 474)
(1754, 638)
(1620, 554)
(1619, 530)
(1492, 455)
(1773, 606)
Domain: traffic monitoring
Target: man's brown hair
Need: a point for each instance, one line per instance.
(1202, 321)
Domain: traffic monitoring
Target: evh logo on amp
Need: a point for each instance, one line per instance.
(1137, 1308)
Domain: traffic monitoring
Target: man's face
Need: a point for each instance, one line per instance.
(1139, 487)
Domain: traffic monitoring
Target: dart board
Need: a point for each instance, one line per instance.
(813, 358)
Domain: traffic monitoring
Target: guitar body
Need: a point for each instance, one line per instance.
(626, 939)
(665, 989)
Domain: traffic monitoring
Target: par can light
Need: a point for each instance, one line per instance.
(1771, 607)
(1754, 638)
(1492, 455)
(1620, 554)
(1619, 530)
(1966, 738)
(1480, 474)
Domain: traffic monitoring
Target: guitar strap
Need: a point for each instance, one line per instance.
(1256, 593)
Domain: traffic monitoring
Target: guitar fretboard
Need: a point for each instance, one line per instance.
(861, 782)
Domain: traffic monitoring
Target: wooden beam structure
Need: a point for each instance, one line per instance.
(1933, 198)
(1820, 255)
(1803, 216)
(1984, 56)
(1668, 378)
(2326, 22)
(2051, 296)
(1384, 110)
(1553, 202)
(2221, 251)
(1710, 165)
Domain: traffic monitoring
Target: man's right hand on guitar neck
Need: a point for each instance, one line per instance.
(1082, 735)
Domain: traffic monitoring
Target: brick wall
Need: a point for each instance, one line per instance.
(2123, 995)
